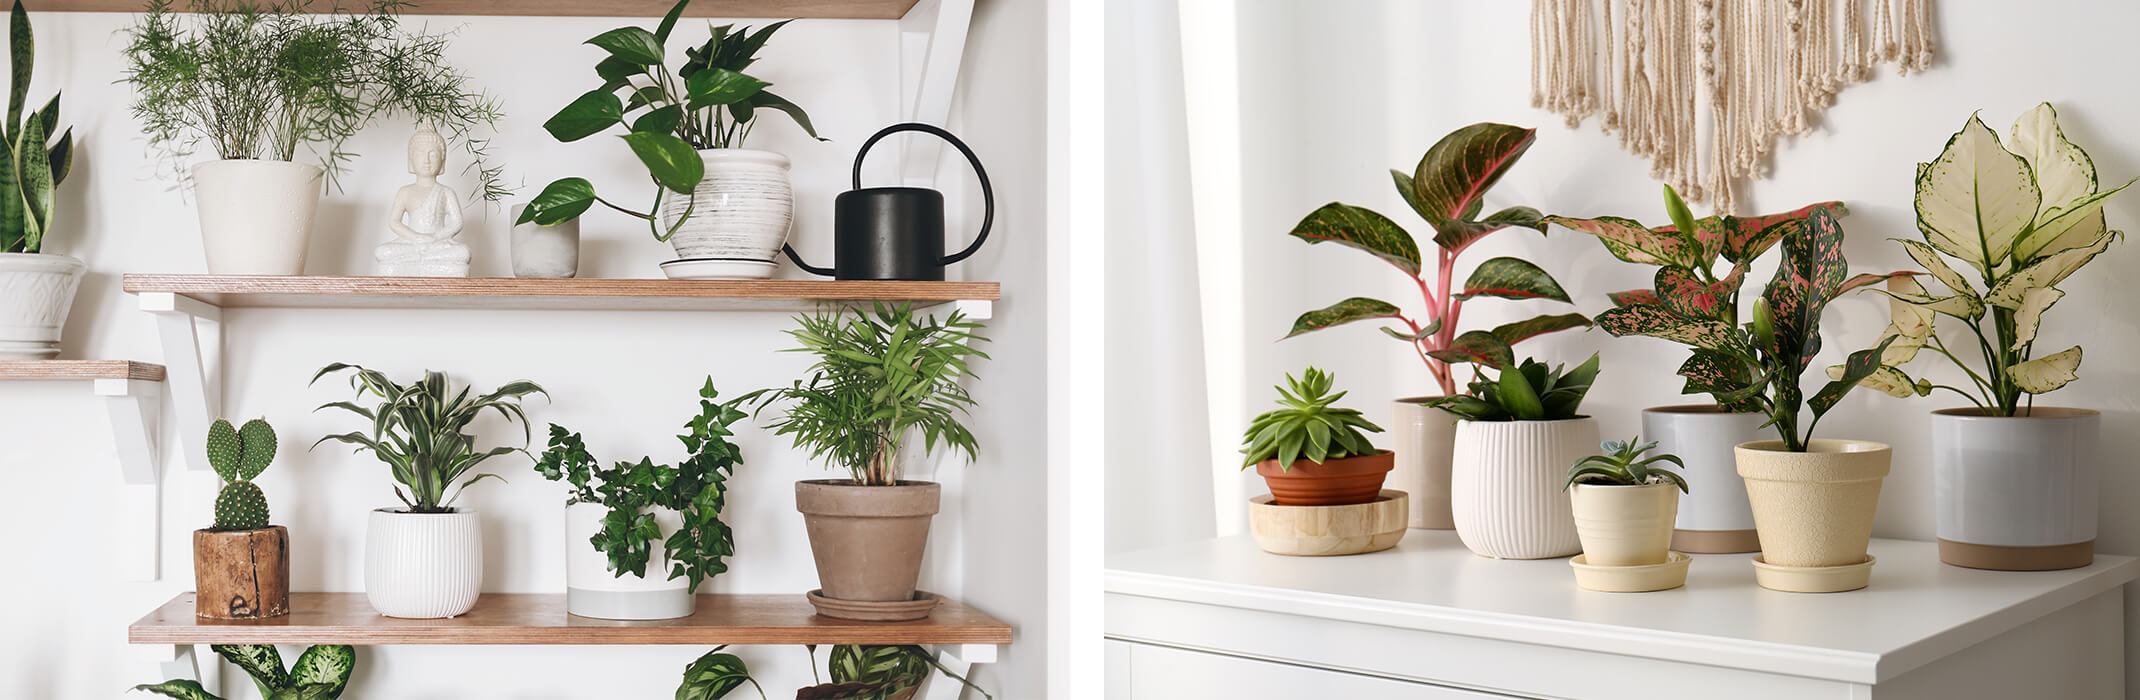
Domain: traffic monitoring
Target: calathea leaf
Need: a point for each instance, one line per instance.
(586, 116)
(1976, 199)
(2048, 373)
(712, 676)
(1860, 365)
(842, 691)
(1481, 347)
(2045, 272)
(1629, 241)
(1454, 175)
(1347, 311)
(1361, 228)
(669, 160)
(1511, 278)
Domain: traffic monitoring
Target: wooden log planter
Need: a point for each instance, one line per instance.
(241, 574)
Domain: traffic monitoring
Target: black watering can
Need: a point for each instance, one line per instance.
(896, 233)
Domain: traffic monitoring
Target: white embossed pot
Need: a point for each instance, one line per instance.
(540, 251)
(739, 213)
(1814, 508)
(1714, 517)
(423, 565)
(593, 590)
(36, 292)
(256, 215)
(2016, 493)
(1504, 487)
(1425, 435)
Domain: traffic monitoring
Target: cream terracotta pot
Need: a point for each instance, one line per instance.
(1814, 508)
(1425, 436)
(1624, 525)
(1505, 479)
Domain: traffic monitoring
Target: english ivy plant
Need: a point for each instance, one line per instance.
(696, 488)
(2025, 215)
(320, 673)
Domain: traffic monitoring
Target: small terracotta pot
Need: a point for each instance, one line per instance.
(1814, 508)
(241, 574)
(868, 540)
(1338, 482)
(1624, 525)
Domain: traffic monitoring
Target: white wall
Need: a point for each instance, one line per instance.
(1336, 93)
(626, 380)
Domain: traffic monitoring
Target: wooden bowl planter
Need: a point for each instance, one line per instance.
(1320, 531)
(241, 574)
(1814, 510)
(1336, 482)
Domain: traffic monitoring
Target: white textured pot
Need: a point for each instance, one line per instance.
(742, 212)
(545, 251)
(1814, 508)
(2016, 493)
(1624, 525)
(592, 590)
(36, 291)
(256, 215)
(1504, 486)
(1425, 436)
(1713, 516)
(423, 565)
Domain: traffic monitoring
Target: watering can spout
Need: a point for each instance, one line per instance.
(897, 233)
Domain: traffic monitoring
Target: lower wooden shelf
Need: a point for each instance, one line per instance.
(527, 618)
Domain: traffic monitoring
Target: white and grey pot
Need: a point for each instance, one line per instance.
(36, 291)
(545, 251)
(739, 218)
(256, 215)
(1713, 517)
(1505, 478)
(2016, 493)
(423, 565)
(1425, 435)
(592, 590)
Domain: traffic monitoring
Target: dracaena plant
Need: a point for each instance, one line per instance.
(1306, 426)
(35, 163)
(1689, 294)
(320, 673)
(1528, 391)
(708, 102)
(1448, 189)
(1623, 464)
(2024, 215)
(416, 429)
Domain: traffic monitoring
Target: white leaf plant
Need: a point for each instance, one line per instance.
(2024, 215)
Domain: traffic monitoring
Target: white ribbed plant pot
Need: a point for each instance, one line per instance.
(36, 291)
(2016, 493)
(423, 565)
(1425, 436)
(1624, 525)
(592, 590)
(256, 215)
(1504, 486)
(741, 214)
(1713, 515)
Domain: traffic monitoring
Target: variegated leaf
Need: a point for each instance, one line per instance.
(1511, 278)
(1469, 232)
(2048, 373)
(2064, 173)
(1887, 380)
(1347, 311)
(1452, 178)
(1634, 297)
(1513, 333)
(2072, 232)
(1811, 271)
(1730, 380)
(1629, 241)
(1361, 228)
(1685, 295)
(1750, 236)
(1910, 320)
(1658, 322)
(2045, 272)
(2067, 224)
(1932, 261)
(2033, 303)
(1856, 368)
(1901, 348)
(1869, 279)
(1480, 347)
(1957, 306)
(1976, 199)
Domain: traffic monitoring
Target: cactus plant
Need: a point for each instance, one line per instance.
(239, 455)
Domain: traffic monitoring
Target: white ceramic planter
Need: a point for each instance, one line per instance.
(1713, 515)
(1425, 436)
(1814, 508)
(545, 251)
(36, 291)
(742, 212)
(256, 215)
(2019, 493)
(1624, 525)
(592, 590)
(423, 565)
(1505, 496)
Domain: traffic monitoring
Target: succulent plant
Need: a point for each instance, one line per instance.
(1306, 427)
(1622, 464)
(239, 455)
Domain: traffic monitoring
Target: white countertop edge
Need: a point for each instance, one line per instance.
(2120, 570)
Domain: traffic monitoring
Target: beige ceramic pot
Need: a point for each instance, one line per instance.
(1624, 525)
(867, 540)
(1813, 508)
(1424, 435)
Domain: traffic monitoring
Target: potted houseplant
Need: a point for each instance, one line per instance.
(1448, 189)
(715, 674)
(1515, 434)
(425, 560)
(724, 208)
(623, 519)
(881, 379)
(1688, 288)
(2014, 483)
(878, 673)
(256, 81)
(321, 672)
(1311, 454)
(1624, 508)
(36, 287)
(241, 564)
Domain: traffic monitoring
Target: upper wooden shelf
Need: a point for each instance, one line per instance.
(523, 618)
(39, 370)
(817, 9)
(570, 294)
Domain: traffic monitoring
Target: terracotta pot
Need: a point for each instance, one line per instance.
(1425, 435)
(1624, 525)
(868, 540)
(1813, 508)
(241, 574)
(1713, 517)
(1505, 483)
(1338, 482)
(2016, 493)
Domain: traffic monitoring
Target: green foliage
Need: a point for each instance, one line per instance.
(1622, 464)
(1529, 391)
(416, 430)
(1306, 426)
(241, 506)
(259, 78)
(708, 102)
(1447, 189)
(321, 673)
(238, 456)
(696, 488)
(877, 673)
(881, 377)
(714, 675)
(34, 163)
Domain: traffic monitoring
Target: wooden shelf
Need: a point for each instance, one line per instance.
(254, 291)
(41, 370)
(818, 9)
(522, 618)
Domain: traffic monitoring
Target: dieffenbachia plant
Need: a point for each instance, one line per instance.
(320, 673)
(1690, 299)
(2025, 215)
(1448, 189)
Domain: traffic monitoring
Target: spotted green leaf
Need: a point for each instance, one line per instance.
(1747, 237)
(1451, 180)
(1628, 240)
(2048, 373)
(1658, 322)
(1860, 365)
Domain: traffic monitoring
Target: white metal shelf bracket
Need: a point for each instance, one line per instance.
(958, 659)
(932, 43)
(132, 405)
(192, 335)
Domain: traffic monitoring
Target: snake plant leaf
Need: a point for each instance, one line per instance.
(2064, 173)
(631, 44)
(1451, 180)
(669, 160)
(1932, 262)
(1519, 331)
(712, 676)
(1481, 347)
(62, 157)
(326, 667)
(2026, 319)
(1977, 199)
(1511, 278)
(1630, 242)
(22, 50)
(1750, 236)
(2046, 374)
(1860, 365)
(33, 168)
(1655, 321)
(720, 86)
(2045, 272)
(183, 690)
(1347, 311)
(1361, 228)
(586, 116)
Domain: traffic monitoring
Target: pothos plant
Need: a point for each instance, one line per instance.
(708, 102)
(1689, 293)
(2025, 215)
(1448, 189)
(320, 673)
(695, 488)
(35, 163)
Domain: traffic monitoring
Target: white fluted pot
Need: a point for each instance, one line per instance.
(739, 214)
(256, 215)
(423, 565)
(36, 291)
(1714, 517)
(2016, 493)
(1425, 435)
(592, 590)
(1504, 486)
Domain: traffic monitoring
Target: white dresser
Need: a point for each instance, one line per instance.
(1222, 619)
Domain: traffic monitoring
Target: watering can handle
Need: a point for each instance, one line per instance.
(988, 193)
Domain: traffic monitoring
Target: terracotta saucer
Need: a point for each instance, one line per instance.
(872, 610)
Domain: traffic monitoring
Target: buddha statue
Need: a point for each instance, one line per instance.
(425, 218)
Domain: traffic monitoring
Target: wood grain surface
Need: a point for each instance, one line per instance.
(267, 291)
(38, 370)
(653, 9)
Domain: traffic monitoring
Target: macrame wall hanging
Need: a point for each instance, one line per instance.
(1761, 68)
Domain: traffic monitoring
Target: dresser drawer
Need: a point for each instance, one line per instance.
(1139, 671)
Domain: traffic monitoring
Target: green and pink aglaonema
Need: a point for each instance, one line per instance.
(1448, 189)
